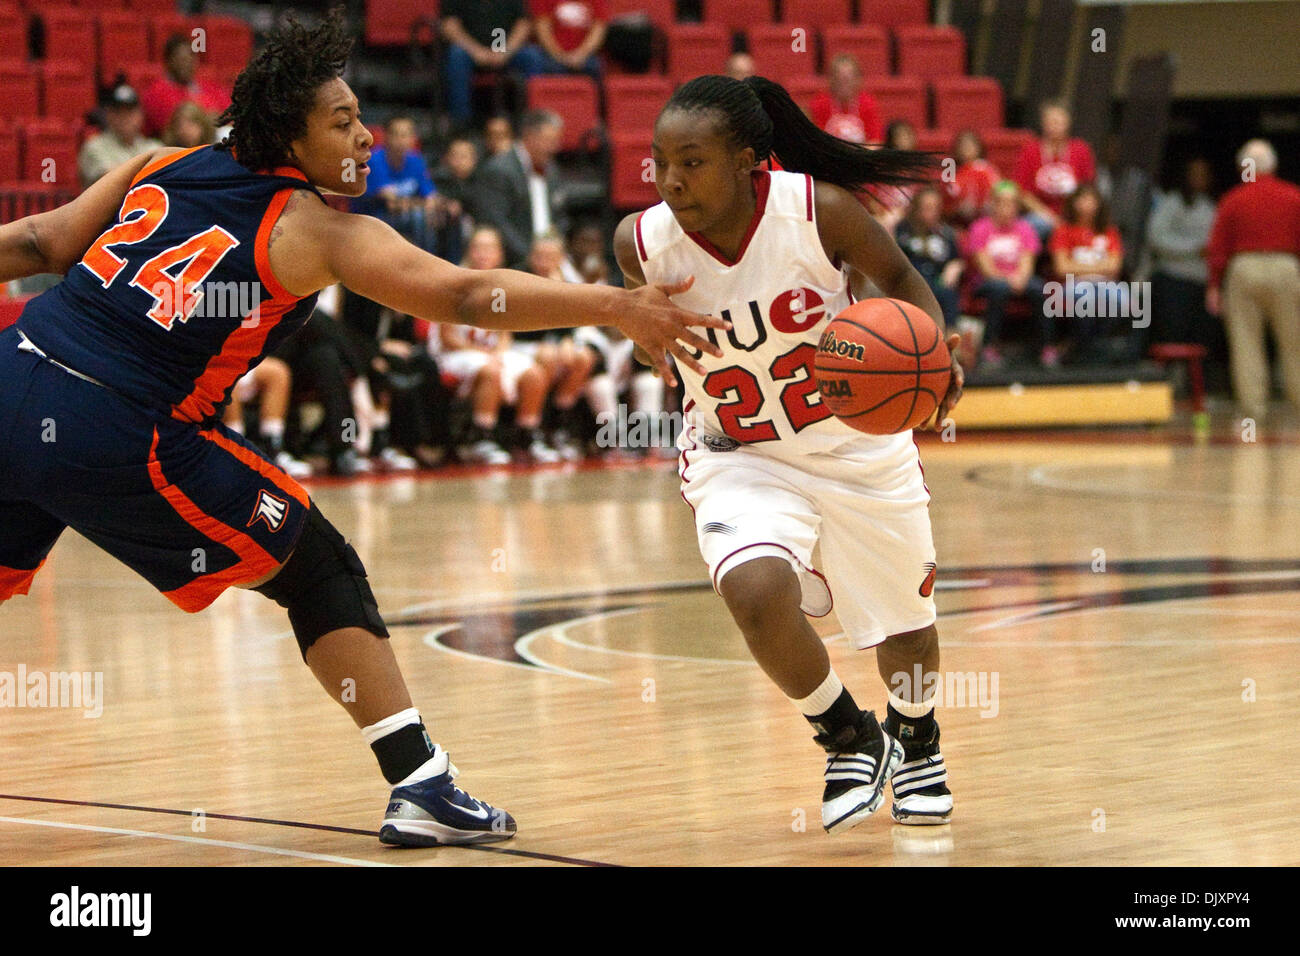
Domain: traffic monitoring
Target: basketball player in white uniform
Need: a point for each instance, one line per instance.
(768, 471)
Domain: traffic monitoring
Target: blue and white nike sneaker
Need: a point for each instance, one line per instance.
(435, 812)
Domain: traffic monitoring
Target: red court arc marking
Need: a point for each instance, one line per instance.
(297, 824)
(254, 561)
(14, 581)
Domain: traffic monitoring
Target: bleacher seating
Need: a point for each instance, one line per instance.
(575, 99)
(777, 56)
(815, 14)
(67, 91)
(22, 90)
(53, 140)
(633, 102)
(628, 164)
(389, 22)
(695, 49)
(930, 52)
(662, 13)
(967, 101)
(738, 15)
(893, 14)
(123, 41)
(899, 97)
(868, 43)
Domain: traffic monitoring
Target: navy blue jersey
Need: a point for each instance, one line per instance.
(176, 299)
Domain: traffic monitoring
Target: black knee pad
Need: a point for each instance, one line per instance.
(323, 586)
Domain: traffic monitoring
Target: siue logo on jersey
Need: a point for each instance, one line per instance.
(927, 586)
(270, 509)
(792, 312)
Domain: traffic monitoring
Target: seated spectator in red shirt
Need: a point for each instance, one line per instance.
(1002, 248)
(569, 34)
(1087, 256)
(178, 86)
(1050, 169)
(846, 110)
(967, 194)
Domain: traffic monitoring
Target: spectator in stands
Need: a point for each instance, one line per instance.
(481, 35)
(569, 34)
(399, 189)
(1177, 234)
(845, 109)
(485, 369)
(189, 126)
(271, 383)
(179, 85)
(967, 194)
(456, 181)
(520, 189)
(740, 66)
(1051, 168)
(889, 204)
(1254, 258)
(1087, 252)
(120, 141)
(616, 377)
(498, 135)
(931, 246)
(587, 254)
(1002, 248)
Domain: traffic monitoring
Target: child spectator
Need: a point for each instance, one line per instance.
(1002, 248)
(967, 194)
(931, 246)
(1086, 248)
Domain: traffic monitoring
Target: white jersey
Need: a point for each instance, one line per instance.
(778, 296)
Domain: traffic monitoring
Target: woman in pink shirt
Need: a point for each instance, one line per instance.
(1001, 249)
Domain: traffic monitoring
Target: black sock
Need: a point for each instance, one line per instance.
(403, 751)
(272, 444)
(909, 729)
(843, 713)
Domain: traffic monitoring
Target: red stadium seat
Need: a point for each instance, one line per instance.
(123, 42)
(816, 14)
(50, 149)
(67, 91)
(152, 8)
(21, 88)
(968, 101)
(893, 14)
(229, 43)
(69, 35)
(802, 89)
(162, 26)
(737, 14)
(696, 49)
(899, 97)
(575, 99)
(662, 13)
(9, 156)
(934, 140)
(931, 52)
(102, 6)
(778, 54)
(1002, 147)
(13, 32)
(629, 167)
(141, 76)
(388, 22)
(632, 103)
(869, 44)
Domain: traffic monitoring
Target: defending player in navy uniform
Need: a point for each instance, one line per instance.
(183, 269)
(766, 468)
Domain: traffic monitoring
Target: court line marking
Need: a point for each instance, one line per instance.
(533, 666)
(205, 841)
(298, 824)
(561, 636)
(1041, 477)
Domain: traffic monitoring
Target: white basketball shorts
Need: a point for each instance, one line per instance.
(462, 365)
(871, 517)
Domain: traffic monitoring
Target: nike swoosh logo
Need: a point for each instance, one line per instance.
(479, 811)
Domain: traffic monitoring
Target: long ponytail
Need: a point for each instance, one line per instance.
(760, 114)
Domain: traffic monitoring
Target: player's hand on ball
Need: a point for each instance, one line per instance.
(953, 395)
(660, 328)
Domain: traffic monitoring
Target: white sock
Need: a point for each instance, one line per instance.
(820, 700)
(909, 709)
(386, 726)
(273, 427)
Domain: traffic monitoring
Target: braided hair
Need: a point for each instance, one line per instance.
(759, 113)
(275, 92)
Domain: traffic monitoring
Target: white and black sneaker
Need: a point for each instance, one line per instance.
(435, 812)
(861, 759)
(921, 794)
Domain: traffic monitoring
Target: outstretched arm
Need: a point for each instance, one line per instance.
(55, 241)
(318, 246)
(849, 234)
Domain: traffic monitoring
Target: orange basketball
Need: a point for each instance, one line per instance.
(882, 366)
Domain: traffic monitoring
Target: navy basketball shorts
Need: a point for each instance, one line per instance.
(192, 510)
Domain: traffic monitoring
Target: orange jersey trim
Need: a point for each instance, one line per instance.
(262, 244)
(254, 561)
(14, 581)
(162, 161)
(259, 464)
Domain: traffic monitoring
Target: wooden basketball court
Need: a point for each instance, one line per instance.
(1121, 645)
